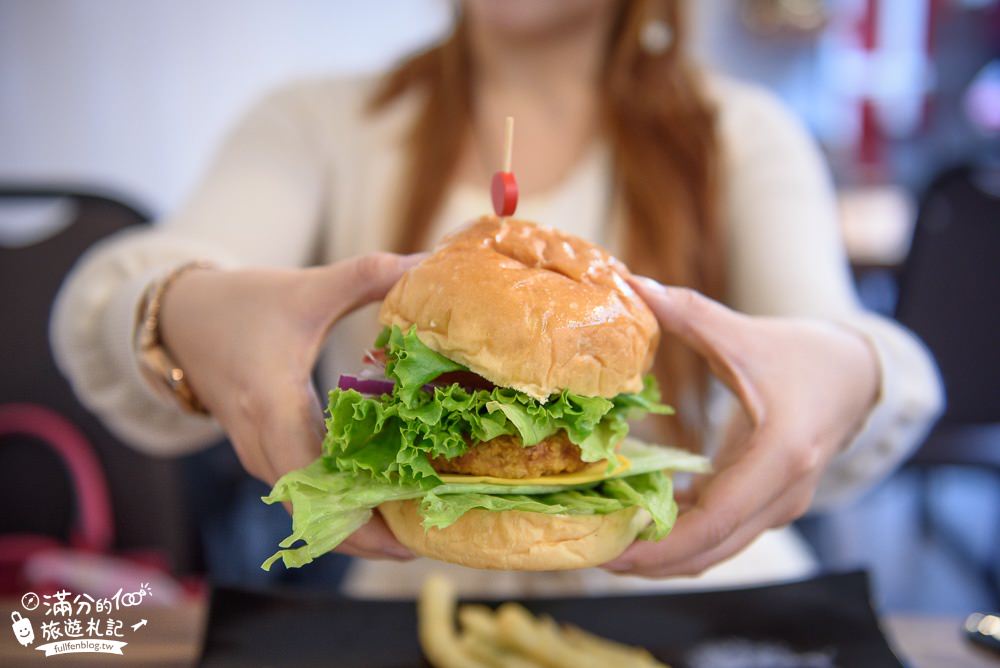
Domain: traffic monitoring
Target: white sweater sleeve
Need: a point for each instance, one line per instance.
(787, 258)
(259, 204)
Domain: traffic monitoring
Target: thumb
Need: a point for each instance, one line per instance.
(353, 283)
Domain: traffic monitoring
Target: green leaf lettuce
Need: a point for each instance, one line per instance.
(328, 505)
(377, 449)
(393, 435)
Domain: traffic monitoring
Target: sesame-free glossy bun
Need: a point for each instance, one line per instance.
(529, 307)
(517, 540)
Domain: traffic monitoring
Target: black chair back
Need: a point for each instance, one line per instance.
(145, 491)
(949, 292)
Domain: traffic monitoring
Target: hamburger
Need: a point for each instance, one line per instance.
(489, 427)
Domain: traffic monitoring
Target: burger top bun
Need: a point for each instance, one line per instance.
(529, 307)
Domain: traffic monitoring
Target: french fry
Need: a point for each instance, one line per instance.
(544, 641)
(613, 651)
(481, 638)
(539, 641)
(493, 655)
(436, 626)
(479, 620)
(511, 637)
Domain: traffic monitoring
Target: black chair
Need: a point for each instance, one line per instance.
(146, 493)
(949, 295)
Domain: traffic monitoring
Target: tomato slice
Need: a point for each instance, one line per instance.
(467, 379)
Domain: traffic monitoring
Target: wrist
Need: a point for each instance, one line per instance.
(868, 372)
(180, 308)
(157, 362)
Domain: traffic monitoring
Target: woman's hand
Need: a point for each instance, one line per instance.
(248, 341)
(806, 387)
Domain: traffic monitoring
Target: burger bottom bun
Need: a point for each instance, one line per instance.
(517, 540)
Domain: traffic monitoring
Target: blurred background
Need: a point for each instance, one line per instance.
(109, 111)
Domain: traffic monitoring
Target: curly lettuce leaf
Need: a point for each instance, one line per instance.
(652, 492)
(636, 405)
(395, 434)
(329, 505)
(411, 363)
(377, 449)
(387, 437)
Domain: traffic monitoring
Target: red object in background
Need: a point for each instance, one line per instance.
(503, 189)
(874, 22)
(869, 148)
(870, 142)
(93, 529)
(868, 28)
(42, 563)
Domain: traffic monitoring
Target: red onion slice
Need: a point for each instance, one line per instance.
(378, 386)
(365, 386)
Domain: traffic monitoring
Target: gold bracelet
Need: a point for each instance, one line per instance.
(156, 363)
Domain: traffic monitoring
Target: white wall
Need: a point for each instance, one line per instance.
(134, 94)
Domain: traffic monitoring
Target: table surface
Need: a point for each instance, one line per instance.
(174, 637)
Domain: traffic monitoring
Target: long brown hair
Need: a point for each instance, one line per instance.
(661, 130)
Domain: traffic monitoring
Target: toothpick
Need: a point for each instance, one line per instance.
(508, 143)
(503, 185)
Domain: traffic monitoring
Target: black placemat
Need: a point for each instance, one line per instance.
(824, 621)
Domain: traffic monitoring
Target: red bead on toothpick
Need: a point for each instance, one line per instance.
(503, 188)
(504, 192)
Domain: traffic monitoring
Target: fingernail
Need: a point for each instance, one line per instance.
(400, 552)
(648, 283)
(617, 565)
(413, 259)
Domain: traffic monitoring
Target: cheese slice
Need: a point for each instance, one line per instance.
(593, 473)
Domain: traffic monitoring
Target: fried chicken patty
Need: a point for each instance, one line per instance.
(505, 457)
